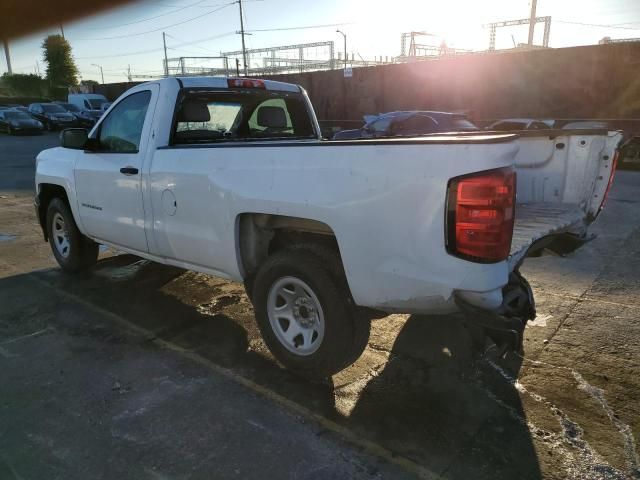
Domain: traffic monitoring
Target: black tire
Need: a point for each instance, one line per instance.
(82, 251)
(346, 332)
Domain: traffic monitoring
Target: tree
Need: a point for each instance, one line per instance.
(89, 83)
(61, 69)
(23, 84)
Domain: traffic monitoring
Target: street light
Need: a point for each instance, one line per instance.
(345, 47)
(101, 73)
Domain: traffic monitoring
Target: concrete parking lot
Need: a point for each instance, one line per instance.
(140, 370)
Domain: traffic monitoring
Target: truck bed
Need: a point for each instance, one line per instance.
(537, 220)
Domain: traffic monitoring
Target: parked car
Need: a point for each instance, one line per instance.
(514, 124)
(87, 101)
(22, 109)
(588, 124)
(52, 116)
(231, 177)
(408, 124)
(85, 118)
(5, 106)
(14, 121)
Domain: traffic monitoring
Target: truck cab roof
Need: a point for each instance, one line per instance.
(232, 82)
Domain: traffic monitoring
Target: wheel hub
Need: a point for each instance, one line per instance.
(295, 315)
(304, 312)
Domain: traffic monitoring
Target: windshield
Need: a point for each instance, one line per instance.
(95, 103)
(52, 108)
(16, 116)
(461, 123)
(70, 107)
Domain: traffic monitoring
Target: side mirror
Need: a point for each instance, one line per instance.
(74, 138)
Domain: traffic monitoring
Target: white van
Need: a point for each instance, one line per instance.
(87, 101)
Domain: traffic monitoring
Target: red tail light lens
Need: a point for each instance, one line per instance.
(245, 83)
(614, 165)
(480, 215)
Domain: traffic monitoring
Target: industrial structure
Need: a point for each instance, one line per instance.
(523, 21)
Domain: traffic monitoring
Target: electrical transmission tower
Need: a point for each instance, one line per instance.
(523, 21)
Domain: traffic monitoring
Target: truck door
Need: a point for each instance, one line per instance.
(109, 177)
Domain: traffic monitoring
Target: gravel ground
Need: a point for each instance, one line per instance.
(146, 371)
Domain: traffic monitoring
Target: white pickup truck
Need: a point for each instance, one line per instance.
(231, 177)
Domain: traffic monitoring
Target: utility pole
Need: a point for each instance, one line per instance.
(129, 73)
(101, 72)
(7, 56)
(532, 21)
(62, 30)
(345, 47)
(237, 67)
(244, 49)
(166, 63)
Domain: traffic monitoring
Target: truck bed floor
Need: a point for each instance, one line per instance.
(537, 220)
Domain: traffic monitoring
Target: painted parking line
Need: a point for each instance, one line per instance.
(366, 445)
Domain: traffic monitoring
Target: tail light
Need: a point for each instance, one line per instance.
(614, 164)
(480, 215)
(245, 83)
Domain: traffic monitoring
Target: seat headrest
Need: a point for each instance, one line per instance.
(194, 111)
(272, 117)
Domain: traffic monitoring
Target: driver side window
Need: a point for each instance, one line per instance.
(121, 130)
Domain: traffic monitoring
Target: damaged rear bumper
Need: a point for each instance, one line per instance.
(504, 324)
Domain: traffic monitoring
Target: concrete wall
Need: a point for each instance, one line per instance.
(600, 81)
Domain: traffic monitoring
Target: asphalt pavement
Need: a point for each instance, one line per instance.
(140, 370)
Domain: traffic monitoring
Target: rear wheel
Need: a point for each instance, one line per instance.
(73, 251)
(305, 312)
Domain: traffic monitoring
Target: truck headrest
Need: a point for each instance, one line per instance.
(272, 117)
(194, 111)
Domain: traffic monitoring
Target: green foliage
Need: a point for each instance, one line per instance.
(89, 83)
(61, 69)
(23, 84)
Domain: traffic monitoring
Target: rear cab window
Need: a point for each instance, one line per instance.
(206, 116)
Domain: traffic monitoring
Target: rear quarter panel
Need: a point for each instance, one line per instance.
(385, 204)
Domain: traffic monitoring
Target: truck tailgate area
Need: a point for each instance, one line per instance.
(537, 220)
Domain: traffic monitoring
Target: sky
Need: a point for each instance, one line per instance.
(131, 36)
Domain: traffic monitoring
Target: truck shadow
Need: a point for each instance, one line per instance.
(440, 404)
(428, 397)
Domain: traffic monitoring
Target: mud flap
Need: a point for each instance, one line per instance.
(505, 326)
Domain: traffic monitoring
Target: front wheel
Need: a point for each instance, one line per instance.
(73, 251)
(305, 312)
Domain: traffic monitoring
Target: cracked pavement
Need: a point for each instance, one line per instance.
(145, 371)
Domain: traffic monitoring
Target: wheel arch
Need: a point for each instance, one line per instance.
(46, 193)
(258, 235)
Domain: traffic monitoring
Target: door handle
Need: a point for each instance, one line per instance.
(129, 170)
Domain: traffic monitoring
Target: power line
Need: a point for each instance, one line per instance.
(152, 18)
(595, 25)
(161, 28)
(298, 28)
(153, 50)
(204, 49)
(164, 5)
